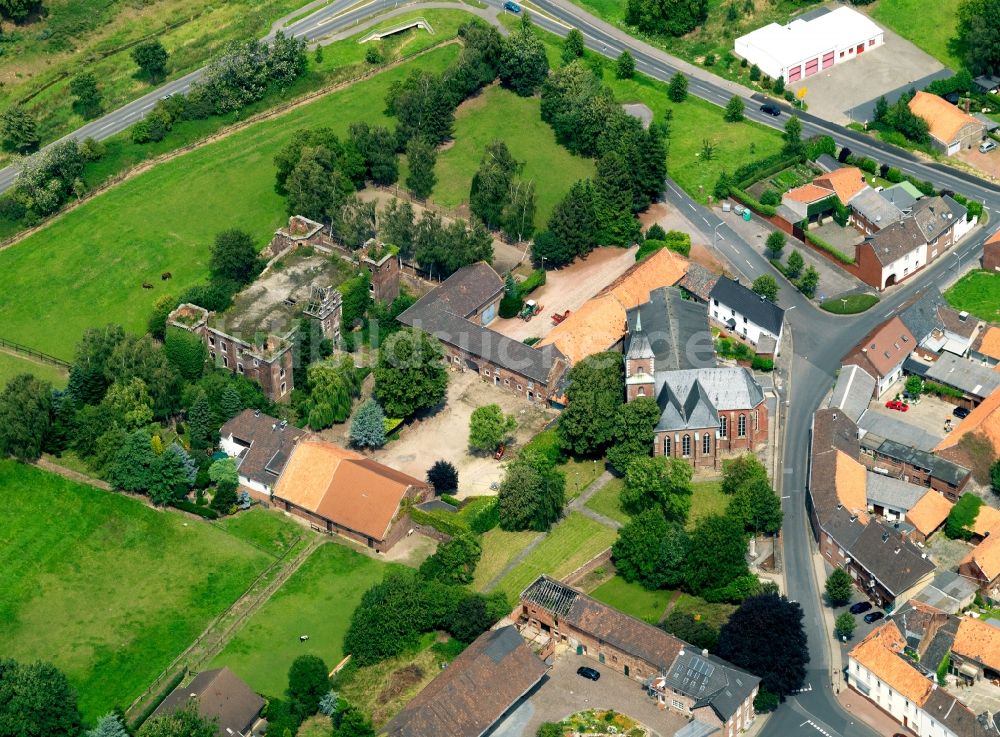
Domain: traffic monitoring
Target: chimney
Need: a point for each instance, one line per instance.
(968, 104)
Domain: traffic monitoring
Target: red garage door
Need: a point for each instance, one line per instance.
(795, 74)
(861, 48)
(828, 60)
(812, 66)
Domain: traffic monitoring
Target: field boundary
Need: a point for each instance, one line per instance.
(32, 353)
(223, 133)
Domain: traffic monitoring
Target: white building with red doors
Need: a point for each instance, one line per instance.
(805, 47)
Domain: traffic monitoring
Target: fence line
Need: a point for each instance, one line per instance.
(45, 357)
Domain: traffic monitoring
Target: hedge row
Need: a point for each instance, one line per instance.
(754, 171)
(752, 203)
(438, 522)
(206, 512)
(932, 387)
(835, 252)
(164, 692)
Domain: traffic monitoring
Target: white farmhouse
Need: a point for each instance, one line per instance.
(745, 313)
(805, 47)
(261, 446)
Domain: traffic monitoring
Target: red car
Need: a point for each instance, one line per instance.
(898, 405)
(501, 449)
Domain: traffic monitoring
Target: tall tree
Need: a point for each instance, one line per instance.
(396, 225)
(757, 506)
(765, 636)
(650, 551)
(979, 35)
(170, 476)
(518, 217)
(661, 483)
(130, 403)
(423, 107)
(839, 587)
(531, 495)
(625, 66)
(368, 426)
(454, 561)
(491, 184)
(308, 682)
(734, 109)
(201, 424)
(613, 200)
(133, 465)
(595, 390)
(378, 147)
(489, 426)
(809, 281)
(88, 95)
(523, 63)
(234, 256)
(844, 625)
(775, 242)
(572, 47)
(151, 58)
(716, 554)
(19, 130)
(420, 157)
(741, 470)
(795, 263)
(316, 188)
(793, 136)
(677, 89)
(36, 700)
(766, 286)
(410, 374)
(573, 225)
(25, 417)
(633, 432)
(17, 10)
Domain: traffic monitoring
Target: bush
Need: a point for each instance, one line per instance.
(510, 305)
(656, 232)
(754, 171)
(868, 165)
(762, 364)
(206, 512)
(486, 518)
(894, 175)
(529, 285)
(547, 445)
(770, 197)
(962, 517)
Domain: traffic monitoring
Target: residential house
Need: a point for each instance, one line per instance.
(698, 282)
(986, 347)
(339, 491)
(743, 312)
(808, 202)
(679, 676)
(478, 688)
(991, 252)
(917, 467)
(951, 128)
(853, 391)
(974, 380)
(871, 212)
(949, 592)
(807, 46)
(457, 313)
(879, 669)
(902, 196)
(927, 516)
(975, 652)
(219, 695)
(982, 565)
(845, 182)
(936, 326)
(982, 423)
(599, 324)
(261, 446)
(891, 498)
(881, 353)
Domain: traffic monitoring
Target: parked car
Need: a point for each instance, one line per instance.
(861, 607)
(986, 146)
(501, 449)
(512, 6)
(771, 109)
(961, 412)
(897, 405)
(588, 673)
(738, 209)
(873, 617)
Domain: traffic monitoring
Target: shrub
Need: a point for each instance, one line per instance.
(750, 202)
(894, 175)
(547, 445)
(868, 165)
(770, 197)
(656, 232)
(510, 305)
(206, 512)
(486, 518)
(529, 285)
(760, 363)
(961, 518)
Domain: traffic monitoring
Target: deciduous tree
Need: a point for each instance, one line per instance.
(795, 264)
(650, 551)
(658, 483)
(633, 432)
(490, 189)
(765, 636)
(696, 631)
(839, 587)
(88, 95)
(36, 700)
(410, 374)
(151, 58)
(625, 66)
(775, 242)
(572, 47)
(740, 471)
(420, 157)
(793, 136)
(844, 625)
(185, 722)
(454, 561)
(671, 17)
(757, 506)
(234, 256)
(489, 426)
(25, 417)
(716, 554)
(523, 63)
(734, 109)
(308, 682)
(19, 130)
(423, 107)
(766, 286)
(531, 495)
(979, 35)
(677, 89)
(808, 281)
(596, 389)
(130, 403)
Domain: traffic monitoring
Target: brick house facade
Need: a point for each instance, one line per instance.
(718, 695)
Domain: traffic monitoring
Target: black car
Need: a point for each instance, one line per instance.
(873, 617)
(861, 607)
(771, 109)
(588, 673)
(961, 412)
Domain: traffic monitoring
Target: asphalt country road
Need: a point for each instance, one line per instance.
(819, 339)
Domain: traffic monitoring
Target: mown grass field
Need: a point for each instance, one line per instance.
(498, 113)
(706, 499)
(978, 292)
(633, 599)
(499, 548)
(318, 601)
(87, 267)
(272, 532)
(11, 365)
(930, 26)
(567, 546)
(104, 587)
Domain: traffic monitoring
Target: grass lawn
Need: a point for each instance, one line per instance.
(499, 113)
(106, 588)
(706, 499)
(499, 548)
(90, 263)
(977, 292)
(271, 531)
(850, 305)
(633, 599)
(317, 601)
(580, 474)
(714, 614)
(605, 501)
(568, 545)
(929, 26)
(11, 365)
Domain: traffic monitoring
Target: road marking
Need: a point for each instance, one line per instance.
(815, 726)
(748, 262)
(804, 689)
(693, 208)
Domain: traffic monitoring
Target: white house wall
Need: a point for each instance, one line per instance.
(904, 267)
(898, 706)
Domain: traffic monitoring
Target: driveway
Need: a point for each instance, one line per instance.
(891, 69)
(567, 289)
(564, 693)
(989, 163)
(927, 417)
(444, 434)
